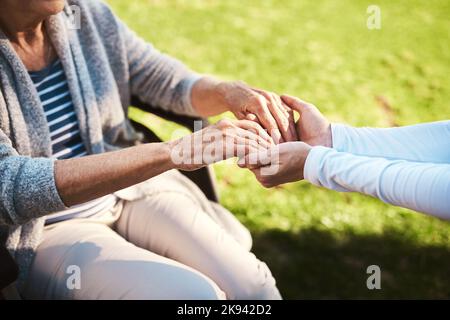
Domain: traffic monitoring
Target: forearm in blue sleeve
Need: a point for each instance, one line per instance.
(428, 142)
(424, 187)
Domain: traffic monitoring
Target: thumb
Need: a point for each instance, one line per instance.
(255, 160)
(295, 103)
(252, 117)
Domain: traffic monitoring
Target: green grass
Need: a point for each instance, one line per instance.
(319, 243)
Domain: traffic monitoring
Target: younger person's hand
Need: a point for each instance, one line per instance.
(312, 127)
(280, 164)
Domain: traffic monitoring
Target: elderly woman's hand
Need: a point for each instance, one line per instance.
(263, 107)
(223, 140)
(211, 97)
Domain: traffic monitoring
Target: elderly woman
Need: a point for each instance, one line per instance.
(65, 141)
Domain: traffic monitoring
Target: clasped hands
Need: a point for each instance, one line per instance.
(285, 162)
(266, 138)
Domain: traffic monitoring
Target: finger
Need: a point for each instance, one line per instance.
(278, 113)
(286, 116)
(254, 127)
(253, 136)
(243, 137)
(292, 126)
(249, 144)
(262, 179)
(252, 117)
(251, 130)
(247, 162)
(266, 119)
(257, 159)
(243, 147)
(230, 130)
(232, 146)
(297, 104)
(258, 176)
(280, 117)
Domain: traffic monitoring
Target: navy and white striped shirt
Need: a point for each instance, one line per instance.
(51, 85)
(53, 91)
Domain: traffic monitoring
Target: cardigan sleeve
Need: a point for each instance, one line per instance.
(27, 186)
(154, 77)
(157, 78)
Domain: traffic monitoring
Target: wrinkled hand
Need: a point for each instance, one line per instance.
(285, 162)
(223, 140)
(263, 107)
(280, 164)
(312, 127)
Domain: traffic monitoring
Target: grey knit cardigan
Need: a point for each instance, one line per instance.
(105, 63)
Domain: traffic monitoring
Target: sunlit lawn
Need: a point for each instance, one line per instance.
(319, 243)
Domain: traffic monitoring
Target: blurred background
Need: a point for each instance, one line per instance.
(319, 243)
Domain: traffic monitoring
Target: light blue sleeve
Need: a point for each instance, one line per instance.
(428, 142)
(424, 187)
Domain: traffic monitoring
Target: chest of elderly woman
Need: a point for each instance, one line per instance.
(100, 116)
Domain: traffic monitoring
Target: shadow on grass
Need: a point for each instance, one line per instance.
(315, 264)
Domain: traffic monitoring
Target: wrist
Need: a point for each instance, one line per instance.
(328, 137)
(304, 151)
(209, 96)
(167, 159)
(222, 91)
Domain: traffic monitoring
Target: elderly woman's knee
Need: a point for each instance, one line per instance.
(258, 284)
(199, 288)
(185, 285)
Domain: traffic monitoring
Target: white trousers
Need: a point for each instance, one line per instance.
(173, 244)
